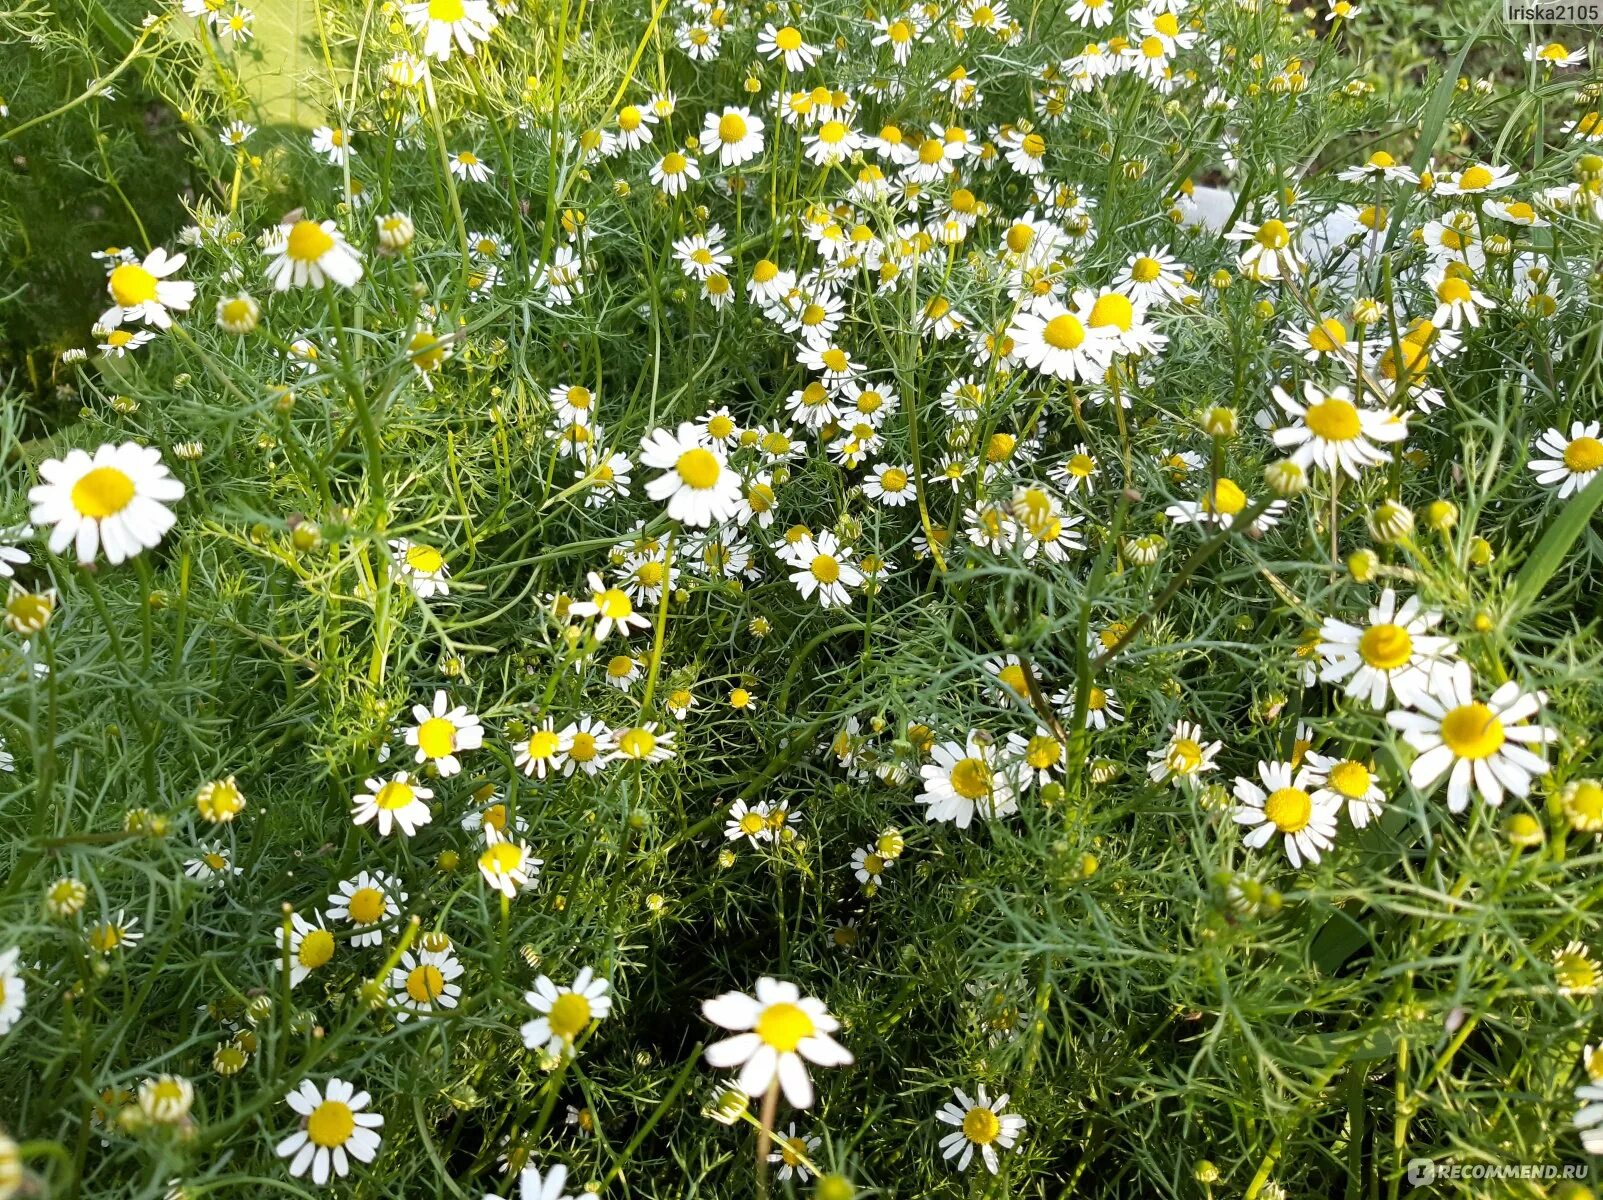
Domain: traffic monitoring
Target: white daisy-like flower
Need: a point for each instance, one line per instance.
(642, 743)
(143, 292)
(424, 983)
(793, 1152)
(1271, 249)
(1285, 806)
(1333, 433)
(1476, 178)
(1393, 653)
(469, 166)
(749, 821)
(890, 484)
(969, 777)
(442, 732)
(1568, 464)
(421, 567)
(589, 743)
(565, 1012)
(335, 1128)
(309, 254)
(734, 134)
(1349, 781)
(982, 1124)
(823, 566)
(1481, 746)
(116, 500)
(532, 1185)
(779, 1031)
(868, 865)
(508, 864)
(448, 24)
(674, 172)
(399, 802)
(1184, 757)
(210, 862)
(540, 754)
(1458, 301)
(788, 44)
(697, 482)
(309, 947)
(611, 607)
(369, 902)
(334, 143)
(1059, 341)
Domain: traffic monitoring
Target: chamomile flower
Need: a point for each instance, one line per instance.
(1568, 464)
(115, 500)
(1458, 301)
(368, 902)
(674, 172)
(697, 483)
(565, 1012)
(440, 733)
(1057, 340)
(868, 865)
(119, 343)
(1270, 252)
(1284, 806)
(448, 25)
(309, 254)
(982, 1124)
(1575, 971)
(786, 44)
(734, 134)
(793, 1152)
(508, 864)
(210, 862)
(142, 291)
(1222, 504)
(120, 932)
(540, 754)
(397, 803)
(1378, 166)
(969, 777)
(642, 743)
(421, 567)
(1486, 746)
(335, 1128)
(749, 821)
(1349, 781)
(778, 1032)
(1393, 652)
(424, 984)
(166, 1099)
(611, 607)
(334, 143)
(309, 947)
(1184, 758)
(823, 566)
(1476, 178)
(1331, 432)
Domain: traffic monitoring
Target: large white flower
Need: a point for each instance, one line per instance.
(395, 803)
(142, 291)
(969, 777)
(334, 1130)
(1060, 341)
(778, 1029)
(116, 500)
(1480, 745)
(1284, 805)
(1394, 651)
(735, 135)
(443, 731)
(448, 23)
(824, 566)
(1329, 431)
(307, 254)
(697, 483)
(1568, 463)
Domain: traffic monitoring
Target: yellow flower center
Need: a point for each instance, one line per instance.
(1583, 454)
(1113, 309)
(1043, 751)
(1145, 270)
(615, 604)
(436, 737)
(1064, 332)
(1152, 47)
(788, 39)
(332, 1122)
(569, 1014)
(1224, 498)
(214, 860)
(425, 983)
(637, 743)
(971, 778)
(1586, 800)
(698, 468)
(393, 795)
(783, 1026)
(981, 1126)
(1473, 731)
(825, 568)
(502, 858)
(1289, 808)
(893, 479)
(366, 905)
(307, 241)
(543, 743)
(1327, 336)
(316, 948)
(931, 152)
(102, 492)
(1474, 178)
(731, 127)
(1273, 234)
(1333, 419)
(131, 284)
(1184, 756)
(425, 560)
(1033, 145)
(1386, 647)
(1350, 778)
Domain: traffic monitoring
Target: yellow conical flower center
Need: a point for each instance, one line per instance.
(1273, 234)
(1289, 808)
(981, 1126)
(1184, 756)
(502, 858)
(132, 285)
(436, 737)
(569, 1014)
(366, 905)
(1474, 178)
(425, 560)
(307, 241)
(316, 948)
(1386, 647)
(1064, 332)
(1584, 454)
(393, 795)
(1224, 499)
(1473, 731)
(1333, 419)
(425, 983)
(102, 492)
(637, 743)
(1167, 24)
(698, 468)
(784, 1025)
(1113, 309)
(971, 778)
(332, 1122)
(1350, 778)
(731, 127)
(893, 479)
(825, 568)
